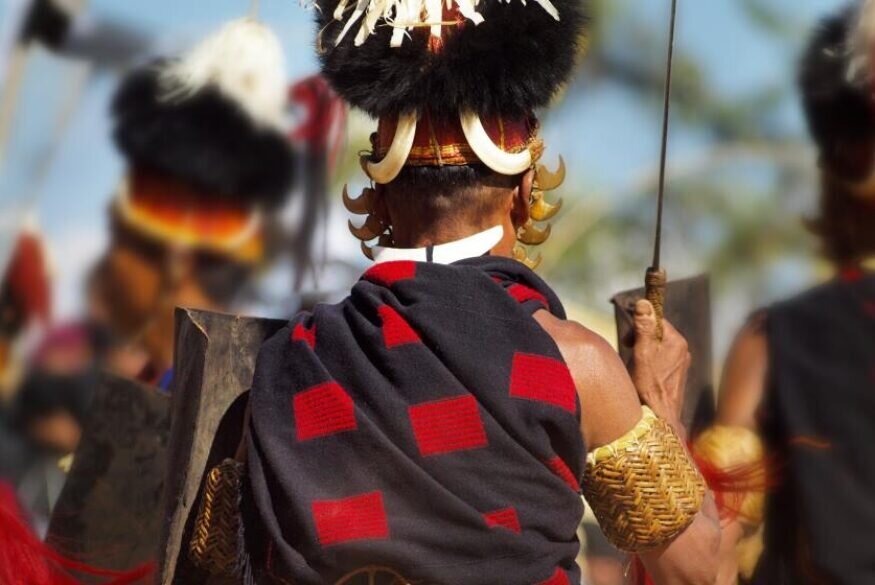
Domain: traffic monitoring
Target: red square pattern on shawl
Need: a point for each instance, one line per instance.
(323, 410)
(504, 518)
(301, 333)
(522, 294)
(396, 331)
(558, 578)
(533, 377)
(448, 425)
(388, 273)
(564, 473)
(360, 517)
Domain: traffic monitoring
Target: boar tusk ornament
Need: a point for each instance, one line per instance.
(361, 205)
(386, 170)
(532, 235)
(372, 228)
(541, 210)
(505, 163)
(548, 180)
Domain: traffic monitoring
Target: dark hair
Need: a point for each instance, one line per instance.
(206, 141)
(43, 394)
(845, 222)
(839, 112)
(431, 193)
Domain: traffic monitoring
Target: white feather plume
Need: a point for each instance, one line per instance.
(244, 61)
(406, 15)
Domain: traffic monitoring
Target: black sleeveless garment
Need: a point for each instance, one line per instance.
(819, 420)
(426, 424)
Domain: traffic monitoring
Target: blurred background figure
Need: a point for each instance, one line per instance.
(797, 404)
(44, 373)
(209, 163)
(25, 307)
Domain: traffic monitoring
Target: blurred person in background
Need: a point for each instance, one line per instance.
(25, 306)
(52, 402)
(434, 426)
(209, 164)
(48, 416)
(793, 444)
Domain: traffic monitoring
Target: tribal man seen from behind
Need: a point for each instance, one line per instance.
(439, 424)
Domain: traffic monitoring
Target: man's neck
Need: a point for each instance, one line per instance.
(444, 234)
(438, 234)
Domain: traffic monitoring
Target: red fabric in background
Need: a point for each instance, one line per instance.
(27, 279)
(27, 560)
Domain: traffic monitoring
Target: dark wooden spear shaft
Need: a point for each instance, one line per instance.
(655, 279)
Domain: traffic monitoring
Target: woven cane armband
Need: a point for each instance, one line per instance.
(643, 488)
(216, 543)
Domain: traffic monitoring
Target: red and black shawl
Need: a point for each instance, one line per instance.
(428, 424)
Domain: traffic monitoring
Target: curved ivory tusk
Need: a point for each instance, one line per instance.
(531, 235)
(387, 169)
(361, 205)
(546, 180)
(505, 163)
(370, 230)
(543, 211)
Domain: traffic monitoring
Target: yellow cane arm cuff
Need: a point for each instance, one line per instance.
(215, 544)
(737, 457)
(643, 488)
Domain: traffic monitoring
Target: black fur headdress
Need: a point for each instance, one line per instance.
(179, 123)
(511, 63)
(838, 102)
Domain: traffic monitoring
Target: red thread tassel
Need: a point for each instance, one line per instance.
(26, 559)
(639, 573)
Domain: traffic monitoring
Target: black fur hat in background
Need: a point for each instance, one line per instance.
(839, 109)
(511, 63)
(210, 121)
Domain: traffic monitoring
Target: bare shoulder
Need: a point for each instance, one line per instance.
(609, 402)
(743, 383)
(573, 338)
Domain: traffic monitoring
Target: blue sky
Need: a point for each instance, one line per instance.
(602, 135)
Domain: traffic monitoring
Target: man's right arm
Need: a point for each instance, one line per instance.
(610, 408)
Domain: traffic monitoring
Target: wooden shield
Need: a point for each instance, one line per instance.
(106, 513)
(688, 308)
(214, 363)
